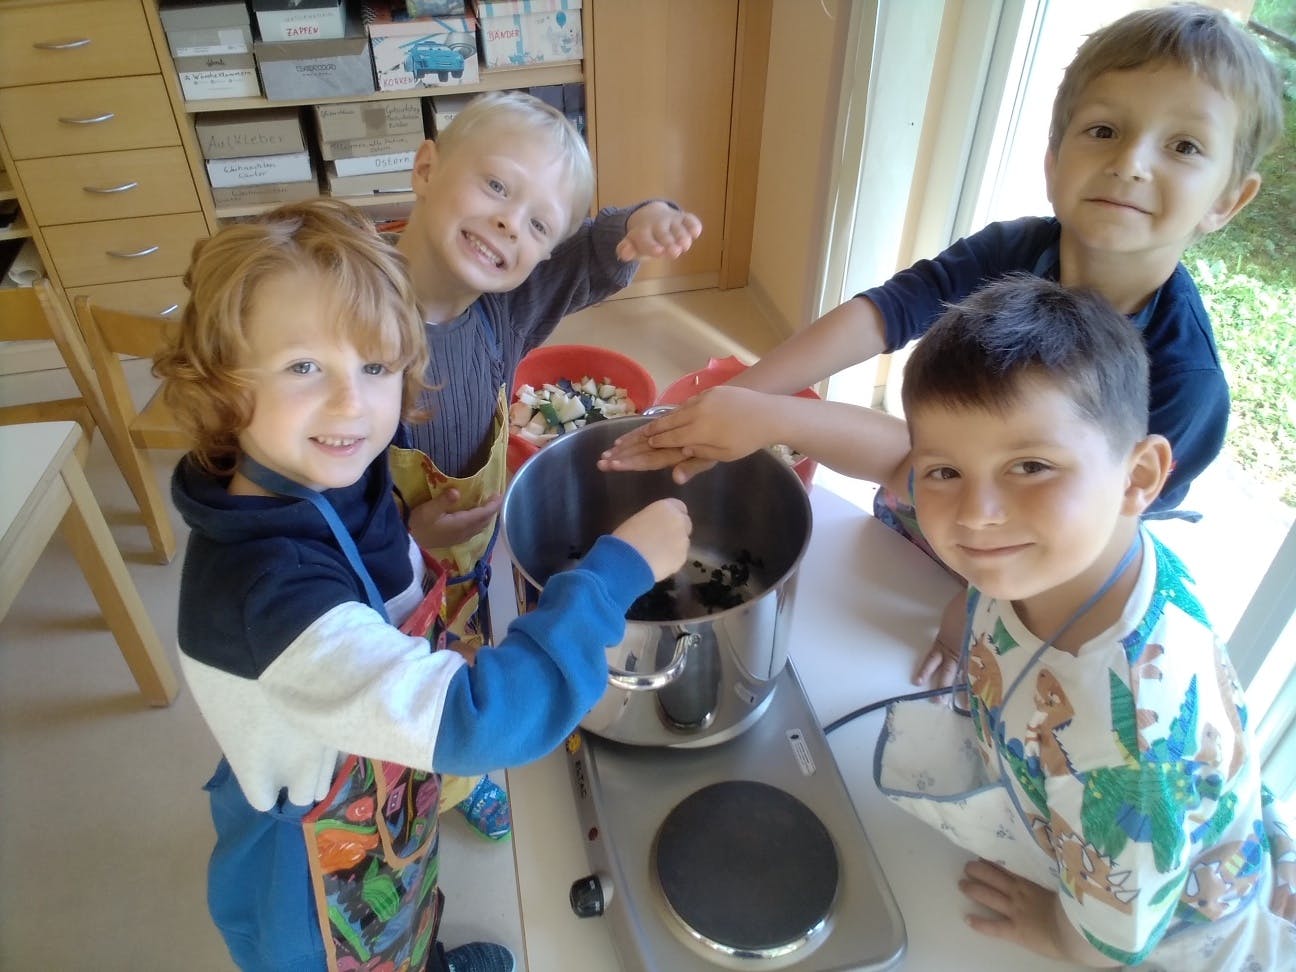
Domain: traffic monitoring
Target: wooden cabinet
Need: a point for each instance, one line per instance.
(94, 152)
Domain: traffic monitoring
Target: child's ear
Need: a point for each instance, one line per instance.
(1050, 163)
(1150, 463)
(1230, 204)
(426, 160)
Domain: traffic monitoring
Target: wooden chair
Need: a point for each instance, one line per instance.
(35, 314)
(107, 334)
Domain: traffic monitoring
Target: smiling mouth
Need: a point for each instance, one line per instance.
(989, 553)
(331, 442)
(1117, 204)
(487, 253)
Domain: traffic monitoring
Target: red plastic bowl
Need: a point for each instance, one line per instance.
(552, 362)
(717, 372)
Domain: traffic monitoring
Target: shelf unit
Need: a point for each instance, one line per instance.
(18, 229)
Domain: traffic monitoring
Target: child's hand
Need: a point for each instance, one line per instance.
(720, 424)
(940, 666)
(658, 230)
(1026, 914)
(660, 532)
(435, 527)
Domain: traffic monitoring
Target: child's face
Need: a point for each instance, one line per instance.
(322, 411)
(1018, 503)
(1145, 163)
(493, 208)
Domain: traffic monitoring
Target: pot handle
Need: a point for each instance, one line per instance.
(634, 682)
(657, 411)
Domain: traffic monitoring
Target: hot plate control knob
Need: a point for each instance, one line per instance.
(588, 897)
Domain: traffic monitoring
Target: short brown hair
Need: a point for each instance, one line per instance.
(1203, 40)
(203, 382)
(983, 351)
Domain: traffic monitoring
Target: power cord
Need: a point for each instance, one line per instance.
(873, 706)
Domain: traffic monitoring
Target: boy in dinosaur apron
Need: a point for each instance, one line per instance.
(500, 250)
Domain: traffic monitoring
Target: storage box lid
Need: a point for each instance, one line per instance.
(204, 16)
(511, 8)
(214, 62)
(292, 6)
(313, 49)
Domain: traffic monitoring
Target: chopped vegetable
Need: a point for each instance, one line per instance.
(541, 414)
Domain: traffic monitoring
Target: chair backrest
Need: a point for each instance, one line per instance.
(109, 333)
(35, 314)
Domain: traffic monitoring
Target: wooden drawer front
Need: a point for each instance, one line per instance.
(87, 116)
(124, 249)
(109, 185)
(165, 296)
(43, 42)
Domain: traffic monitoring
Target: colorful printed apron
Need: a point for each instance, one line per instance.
(467, 613)
(372, 847)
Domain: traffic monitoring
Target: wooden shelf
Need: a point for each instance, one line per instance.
(360, 202)
(7, 190)
(17, 230)
(529, 77)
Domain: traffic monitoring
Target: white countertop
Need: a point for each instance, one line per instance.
(867, 604)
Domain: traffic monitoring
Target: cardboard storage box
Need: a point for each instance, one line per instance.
(368, 185)
(350, 148)
(430, 52)
(365, 119)
(260, 169)
(520, 32)
(217, 76)
(267, 194)
(370, 164)
(237, 134)
(436, 8)
(201, 29)
(287, 20)
(316, 68)
(445, 107)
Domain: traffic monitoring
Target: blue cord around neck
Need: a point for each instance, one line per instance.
(281, 485)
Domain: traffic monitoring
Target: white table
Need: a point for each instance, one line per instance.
(42, 489)
(867, 605)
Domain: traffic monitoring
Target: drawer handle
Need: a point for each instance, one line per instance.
(148, 250)
(61, 45)
(109, 190)
(106, 116)
(169, 311)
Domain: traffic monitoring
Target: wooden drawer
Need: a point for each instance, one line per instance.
(124, 249)
(50, 41)
(165, 296)
(76, 117)
(108, 185)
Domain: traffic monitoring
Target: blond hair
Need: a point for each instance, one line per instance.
(1206, 42)
(205, 384)
(518, 111)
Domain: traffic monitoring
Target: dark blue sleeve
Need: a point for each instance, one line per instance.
(1189, 396)
(911, 300)
(520, 699)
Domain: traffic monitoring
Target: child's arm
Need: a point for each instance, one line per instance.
(1026, 915)
(520, 700)
(727, 422)
(658, 229)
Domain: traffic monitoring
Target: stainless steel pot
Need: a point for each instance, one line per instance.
(702, 651)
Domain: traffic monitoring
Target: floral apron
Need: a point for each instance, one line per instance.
(467, 564)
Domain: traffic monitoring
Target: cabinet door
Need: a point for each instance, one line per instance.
(663, 91)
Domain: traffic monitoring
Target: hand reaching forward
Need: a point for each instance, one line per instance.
(660, 532)
(719, 425)
(1026, 915)
(657, 229)
(436, 524)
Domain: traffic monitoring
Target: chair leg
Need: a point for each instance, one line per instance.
(105, 571)
(143, 484)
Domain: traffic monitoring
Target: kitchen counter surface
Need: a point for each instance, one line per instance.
(867, 604)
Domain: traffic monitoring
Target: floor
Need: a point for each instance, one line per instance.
(104, 829)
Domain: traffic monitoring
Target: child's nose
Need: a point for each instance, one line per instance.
(344, 397)
(980, 504)
(1130, 159)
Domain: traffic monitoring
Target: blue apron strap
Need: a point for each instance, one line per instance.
(276, 483)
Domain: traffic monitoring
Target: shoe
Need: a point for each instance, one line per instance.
(487, 811)
(480, 957)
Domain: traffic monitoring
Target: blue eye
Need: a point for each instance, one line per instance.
(376, 368)
(540, 227)
(495, 186)
(302, 367)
